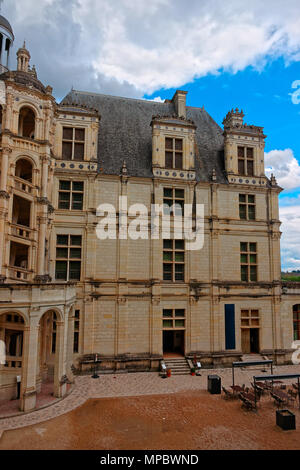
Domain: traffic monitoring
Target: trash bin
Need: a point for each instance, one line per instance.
(214, 384)
(285, 419)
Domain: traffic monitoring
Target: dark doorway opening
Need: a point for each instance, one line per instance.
(254, 340)
(173, 342)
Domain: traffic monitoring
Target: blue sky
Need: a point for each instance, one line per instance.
(225, 54)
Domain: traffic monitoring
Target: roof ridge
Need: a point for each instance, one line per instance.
(114, 96)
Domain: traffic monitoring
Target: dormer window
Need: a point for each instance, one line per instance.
(246, 161)
(173, 153)
(73, 143)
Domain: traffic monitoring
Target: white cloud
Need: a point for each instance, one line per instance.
(286, 168)
(134, 47)
(290, 246)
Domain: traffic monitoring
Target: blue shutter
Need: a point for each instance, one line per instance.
(230, 326)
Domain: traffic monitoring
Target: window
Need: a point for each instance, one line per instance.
(68, 257)
(73, 143)
(76, 331)
(173, 153)
(248, 262)
(70, 195)
(247, 206)
(174, 196)
(246, 161)
(173, 260)
(250, 318)
(174, 318)
(296, 322)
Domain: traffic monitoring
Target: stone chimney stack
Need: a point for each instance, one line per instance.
(179, 100)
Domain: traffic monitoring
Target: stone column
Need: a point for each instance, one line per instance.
(4, 196)
(29, 368)
(43, 219)
(71, 320)
(60, 367)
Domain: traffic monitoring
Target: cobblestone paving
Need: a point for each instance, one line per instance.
(134, 384)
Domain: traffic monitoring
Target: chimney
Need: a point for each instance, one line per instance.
(179, 100)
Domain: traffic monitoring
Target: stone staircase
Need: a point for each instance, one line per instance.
(253, 358)
(178, 366)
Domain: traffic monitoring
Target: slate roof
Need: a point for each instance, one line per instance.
(125, 134)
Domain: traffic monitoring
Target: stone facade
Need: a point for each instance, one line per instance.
(66, 294)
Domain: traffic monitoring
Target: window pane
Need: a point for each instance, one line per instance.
(62, 239)
(251, 199)
(77, 185)
(250, 168)
(178, 144)
(244, 273)
(64, 196)
(251, 212)
(242, 197)
(68, 133)
(74, 272)
(78, 152)
(77, 197)
(168, 192)
(168, 255)
(61, 270)
(168, 244)
(179, 256)
(77, 206)
(179, 244)
(167, 272)
(67, 150)
(169, 160)
(75, 252)
(243, 212)
(178, 208)
(79, 134)
(168, 323)
(254, 313)
(241, 167)
(169, 143)
(76, 342)
(244, 259)
(65, 185)
(244, 246)
(253, 247)
(61, 252)
(179, 272)
(178, 160)
(253, 259)
(167, 313)
(179, 323)
(253, 273)
(240, 152)
(76, 240)
(179, 193)
(179, 312)
(249, 152)
(64, 204)
(245, 313)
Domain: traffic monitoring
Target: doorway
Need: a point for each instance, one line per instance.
(173, 342)
(250, 340)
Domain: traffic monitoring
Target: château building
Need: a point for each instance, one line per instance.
(65, 294)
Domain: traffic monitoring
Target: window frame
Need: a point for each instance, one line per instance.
(173, 263)
(246, 204)
(246, 159)
(173, 318)
(175, 151)
(71, 192)
(250, 320)
(73, 142)
(248, 264)
(68, 260)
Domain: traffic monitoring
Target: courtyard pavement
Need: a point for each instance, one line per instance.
(134, 384)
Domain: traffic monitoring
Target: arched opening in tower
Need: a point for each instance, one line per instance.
(26, 123)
